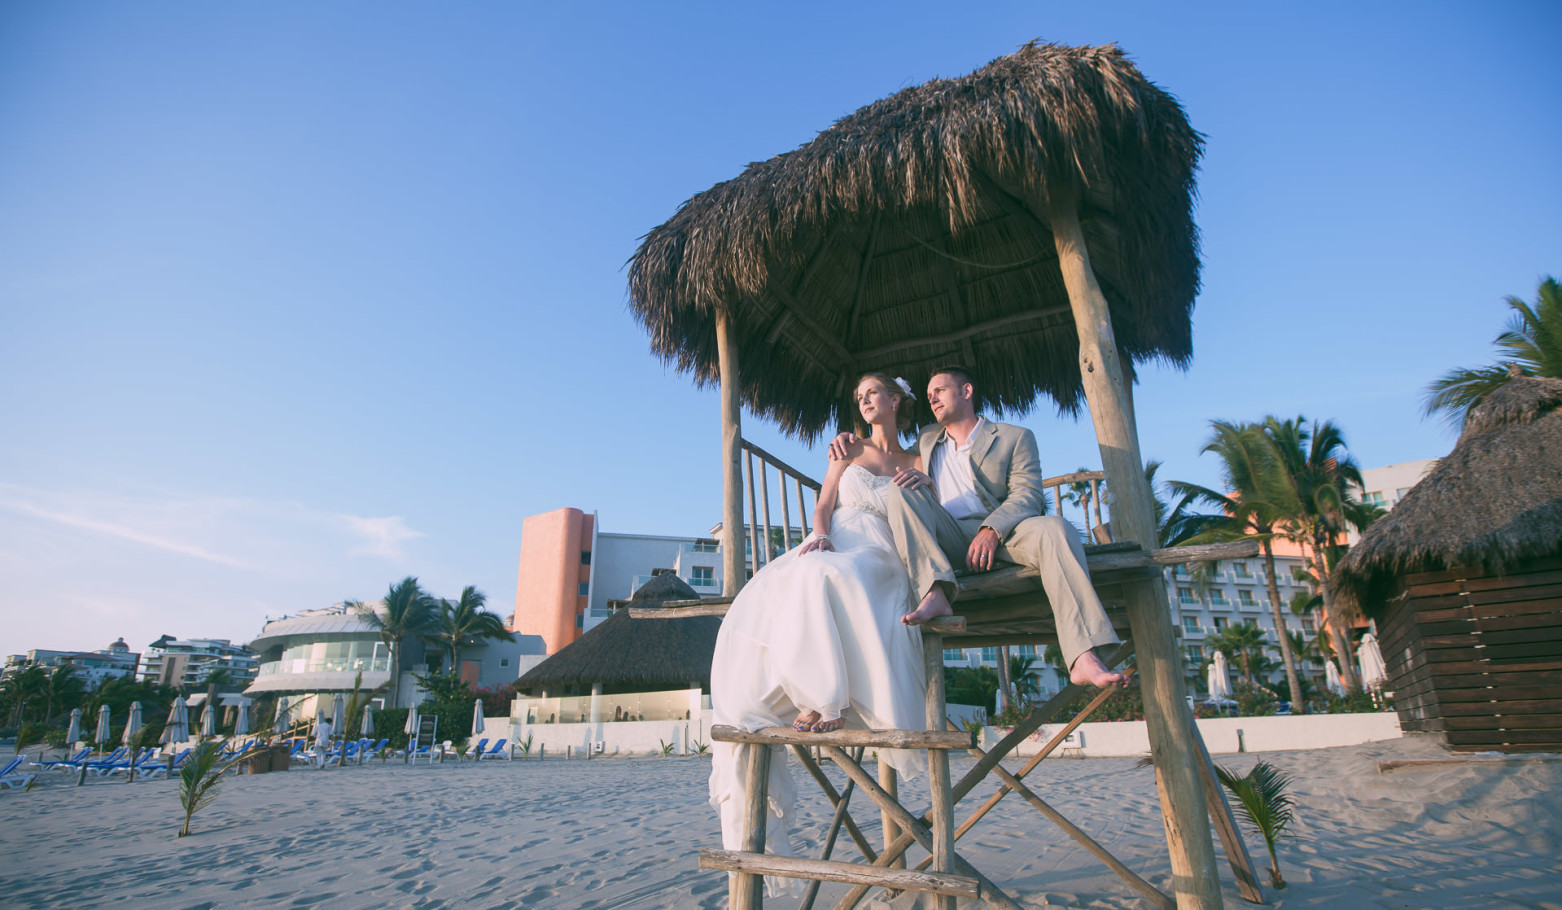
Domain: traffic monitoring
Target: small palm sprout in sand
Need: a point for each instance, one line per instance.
(199, 778)
(1265, 805)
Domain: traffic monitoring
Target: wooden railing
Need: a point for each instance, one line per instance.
(1097, 530)
(789, 481)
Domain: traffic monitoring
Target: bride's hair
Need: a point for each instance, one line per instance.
(893, 386)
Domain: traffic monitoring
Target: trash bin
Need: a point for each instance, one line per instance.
(269, 758)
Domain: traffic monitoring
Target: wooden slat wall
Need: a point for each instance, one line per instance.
(1479, 658)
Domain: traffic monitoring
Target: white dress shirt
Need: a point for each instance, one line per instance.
(953, 477)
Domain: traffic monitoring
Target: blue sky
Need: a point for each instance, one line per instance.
(297, 299)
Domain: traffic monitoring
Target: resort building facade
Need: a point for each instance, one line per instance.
(93, 668)
(190, 662)
(571, 573)
(323, 652)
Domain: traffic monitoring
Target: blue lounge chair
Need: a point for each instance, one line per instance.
(10, 777)
(69, 763)
(498, 751)
(477, 753)
(153, 768)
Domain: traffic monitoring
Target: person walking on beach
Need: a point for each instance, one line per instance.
(980, 503)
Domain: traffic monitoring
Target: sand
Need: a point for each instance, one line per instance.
(624, 832)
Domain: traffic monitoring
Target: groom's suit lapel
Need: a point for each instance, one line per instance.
(983, 442)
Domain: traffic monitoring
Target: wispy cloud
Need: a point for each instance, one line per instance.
(381, 536)
(125, 532)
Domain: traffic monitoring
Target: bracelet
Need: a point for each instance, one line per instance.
(815, 536)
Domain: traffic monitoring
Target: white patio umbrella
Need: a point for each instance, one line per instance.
(1374, 672)
(101, 735)
(477, 717)
(132, 725)
(208, 721)
(339, 725)
(1331, 678)
(73, 730)
(411, 729)
(177, 728)
(1217, 680)
(366, 729)
(279, 726)
(242, 722)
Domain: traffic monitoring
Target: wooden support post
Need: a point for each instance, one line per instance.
(943, 807)
(753, 515)
(731, 453)
(1226, 826)
(889, 779)
(1196, 882)
(748, 889)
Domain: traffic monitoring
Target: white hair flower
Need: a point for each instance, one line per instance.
(905, 388)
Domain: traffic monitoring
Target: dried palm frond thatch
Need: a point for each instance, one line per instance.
(916, 232)
(625, 654)
(1492, 502)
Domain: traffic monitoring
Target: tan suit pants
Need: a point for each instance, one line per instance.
(931, 542)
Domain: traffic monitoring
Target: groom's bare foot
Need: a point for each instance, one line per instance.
(934, 605)
(829, 725)
(805, 721)
(1088, 670)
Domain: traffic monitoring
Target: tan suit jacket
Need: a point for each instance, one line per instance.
(1007, 469)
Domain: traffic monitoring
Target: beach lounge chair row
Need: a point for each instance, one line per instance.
(10, 777)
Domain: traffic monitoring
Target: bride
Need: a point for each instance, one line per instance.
(815, 639)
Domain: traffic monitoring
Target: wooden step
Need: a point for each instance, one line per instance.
(879, 739)
(833, 871)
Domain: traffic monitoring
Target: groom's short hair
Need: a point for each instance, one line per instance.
(958, 373)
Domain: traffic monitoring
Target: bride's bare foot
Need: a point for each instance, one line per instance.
(805, 721)
(1088, 670)
(829, 725)
(934, 605)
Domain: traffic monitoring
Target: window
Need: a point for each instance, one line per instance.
(1182, 571)
(953, 654)
(585, 589)
(585, 557)
(1308, 625)
(1195, 654)
(1400, 494)
(990, 656)
(1373, 499)
(703, 577)
(1220, 623)
(504, 661)
(580, 620)
(1240, 568)
(1185, 595)
(1218, 598)
(705, 546)
(1245, 598)
(1191, 624)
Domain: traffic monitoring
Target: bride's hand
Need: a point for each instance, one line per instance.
(816, 542)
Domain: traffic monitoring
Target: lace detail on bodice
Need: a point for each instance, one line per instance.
(863, 491)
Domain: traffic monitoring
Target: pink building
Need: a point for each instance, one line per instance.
(553, 587)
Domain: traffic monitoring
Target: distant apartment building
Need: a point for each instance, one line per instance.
(1384, 487)
(570, 572)
(93, 668)
(177, 662)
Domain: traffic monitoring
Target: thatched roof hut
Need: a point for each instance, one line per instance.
(1492, 503)
(625, 654)
(916, 232)
(1464, 578)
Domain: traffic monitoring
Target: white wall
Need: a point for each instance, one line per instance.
(1221, 734)
(624, 737)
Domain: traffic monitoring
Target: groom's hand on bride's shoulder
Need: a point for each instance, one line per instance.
(842, 445)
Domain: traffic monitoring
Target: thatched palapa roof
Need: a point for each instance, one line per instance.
(1494, 501)
(916, 232)
(627, 654)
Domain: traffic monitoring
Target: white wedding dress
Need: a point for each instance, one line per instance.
(819, 631)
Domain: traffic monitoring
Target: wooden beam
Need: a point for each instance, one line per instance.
(942, 811)
(747, 890)
(731, 454)
(825, 337)
(837, 799)
(873, 739)
(831, 871)
(949, 338)
(1183, 807)
(865, 260)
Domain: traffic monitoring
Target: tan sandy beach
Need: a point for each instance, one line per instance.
(624, 833)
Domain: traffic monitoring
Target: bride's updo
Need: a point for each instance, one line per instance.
(893, 386)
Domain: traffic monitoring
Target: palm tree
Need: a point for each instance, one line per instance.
(1247, 468)
(409, 613)
(64, 688)
(1078, 493)
(1022, 677)
(466, 622)
(1243, 642)
(19, 688)
(1314, 474)
(1531, 345)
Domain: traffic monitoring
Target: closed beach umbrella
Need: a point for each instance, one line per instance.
(132, 724)
(366, 729)
(1331, 678)
(338, 714)
(73, 731)
(1374, 673)
(101, 735)
(1219, 684)
(279, 726)
(176, 729)
(477, 717)
(411, 729)
(208, 721)
(242, 722)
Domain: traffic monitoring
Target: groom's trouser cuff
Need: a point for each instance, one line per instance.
(1052, 547)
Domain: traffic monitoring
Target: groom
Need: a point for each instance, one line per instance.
(987, 508)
